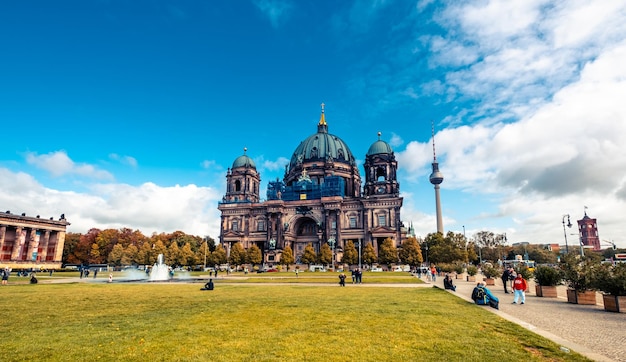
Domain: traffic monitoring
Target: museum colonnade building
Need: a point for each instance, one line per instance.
(31, 242)
(321, 199)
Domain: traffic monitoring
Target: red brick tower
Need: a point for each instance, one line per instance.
(588, 232)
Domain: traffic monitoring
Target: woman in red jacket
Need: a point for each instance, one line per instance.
(519, 288)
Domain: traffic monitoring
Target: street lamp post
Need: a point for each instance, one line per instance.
(465, 241)
(426, 248)
(360, 255)
(569, 225)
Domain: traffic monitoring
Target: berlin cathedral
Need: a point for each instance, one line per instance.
(321, 199)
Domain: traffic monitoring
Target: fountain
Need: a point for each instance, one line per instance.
(160, 270)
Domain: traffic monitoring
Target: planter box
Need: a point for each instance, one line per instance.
(471, 278)
(490, 281)
(585, 298)
(546, 291)
(614, 303)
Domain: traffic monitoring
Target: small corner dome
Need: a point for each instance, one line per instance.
(379, 147)
(244, 161)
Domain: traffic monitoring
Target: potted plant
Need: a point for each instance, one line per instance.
(546, 280)
(491, 273)
(578, 276)
(458, 270)
(611, 280)
(472, 270)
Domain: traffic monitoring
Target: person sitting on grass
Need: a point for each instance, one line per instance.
(447, 283)
(483, 296)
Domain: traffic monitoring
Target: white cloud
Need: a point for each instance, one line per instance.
(147, 207)
(58, 164)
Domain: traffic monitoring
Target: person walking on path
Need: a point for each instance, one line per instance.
(519, 288)
(506, 276)
(342, 279)
(433, 273)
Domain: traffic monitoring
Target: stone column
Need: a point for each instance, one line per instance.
(58, 248)
(17, 244)
(44, 245)
(33, 245)
(3, 231)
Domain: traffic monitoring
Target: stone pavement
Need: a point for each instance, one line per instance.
(586, 329)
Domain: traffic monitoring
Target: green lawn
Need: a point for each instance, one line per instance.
(178, 322)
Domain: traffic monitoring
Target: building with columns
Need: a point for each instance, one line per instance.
(321, 199)
(31, 242)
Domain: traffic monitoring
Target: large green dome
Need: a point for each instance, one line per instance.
(321, 147)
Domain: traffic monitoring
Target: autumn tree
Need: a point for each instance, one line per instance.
(325, 256)
(187, 256)
(130, 255)
(115, 256)
(94, 255)
(369, 254)
(287, 257)
(219, 255)
(387, 252)
(172, 255)
(144, 254)
(309, 256)
(411, 253)
(254, 255)
(350, 254)
(237, 255)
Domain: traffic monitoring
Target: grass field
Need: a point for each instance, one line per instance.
(238, 322)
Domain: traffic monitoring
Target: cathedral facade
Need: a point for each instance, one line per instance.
(321, 199)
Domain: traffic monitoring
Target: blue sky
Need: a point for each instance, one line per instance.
(128, 113)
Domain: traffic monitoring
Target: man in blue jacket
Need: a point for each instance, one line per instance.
(483, 296)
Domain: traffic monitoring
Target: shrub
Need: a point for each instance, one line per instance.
(458, 268)
(611, 279)
(524, 271)
(578, 273)
(491, 271)
(548, 276)
(472, 270)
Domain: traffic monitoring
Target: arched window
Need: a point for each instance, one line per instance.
(238, 185)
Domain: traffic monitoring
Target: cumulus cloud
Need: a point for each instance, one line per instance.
(147, 207)
(59, 164)
(278, 164)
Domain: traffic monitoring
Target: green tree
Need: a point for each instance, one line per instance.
(350, 254)
(411, 253)
(254, 255)
(237, 255)
(387, 252)
(309, 256)
(219, 255)
(287, 257)
(115, 256)
(369, 254)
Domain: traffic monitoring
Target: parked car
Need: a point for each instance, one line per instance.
(376, 269)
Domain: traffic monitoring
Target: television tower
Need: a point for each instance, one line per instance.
(436, 178)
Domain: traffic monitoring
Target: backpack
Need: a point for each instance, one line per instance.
(480, 297)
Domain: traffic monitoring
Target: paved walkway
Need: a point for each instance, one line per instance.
(586, 329)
